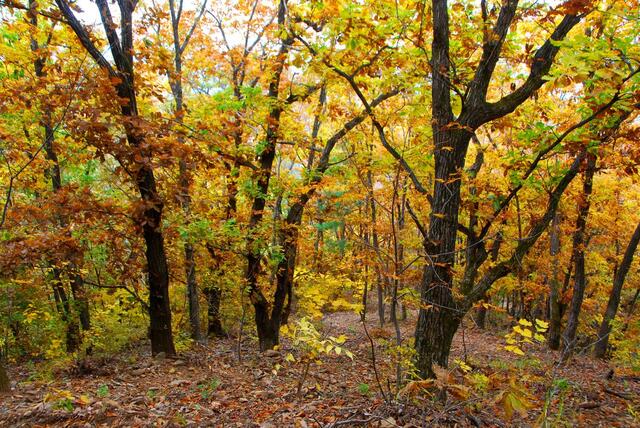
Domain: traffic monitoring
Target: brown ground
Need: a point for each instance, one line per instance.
(208, 386)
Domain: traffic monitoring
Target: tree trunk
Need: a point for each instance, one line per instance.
(569, 336)
(214, 326)
(376, 248)
(555, 296)
(122, 74)
(73, 338)
(614, 298)
(439, 314)
(365, 250)
(158, 273)
(268, 327)
(184, 179)
(436, 327)
(64, 309)
(80, 299)
(481, 317)
(192, 293)
(5, 385)
(286, 267)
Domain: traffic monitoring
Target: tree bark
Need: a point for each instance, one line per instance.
(569, 335)
(440, 314)
(53, 173)
(267, 325)
(376, 247)
(556, 307)
(122, 50)
(213, 294)
(614, 298)
(5, 385)
(184, 179)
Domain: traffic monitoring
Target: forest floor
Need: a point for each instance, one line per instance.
(209, 386)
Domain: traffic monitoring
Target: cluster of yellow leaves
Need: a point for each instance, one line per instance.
(308, 341)
(319, 292)
(523, 333)
(33, 314)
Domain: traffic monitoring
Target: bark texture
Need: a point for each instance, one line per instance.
(600, 349)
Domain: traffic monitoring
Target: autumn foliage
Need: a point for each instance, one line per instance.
(232, 175)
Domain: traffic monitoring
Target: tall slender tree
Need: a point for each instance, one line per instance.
(122, 74)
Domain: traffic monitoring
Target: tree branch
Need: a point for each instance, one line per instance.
(504, 268)
(542, 61)
(83, 37)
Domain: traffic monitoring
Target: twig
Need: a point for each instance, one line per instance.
(624, 395)
(373, 362)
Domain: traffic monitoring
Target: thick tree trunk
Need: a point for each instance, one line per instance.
(436, 327)
(439, 313)
(569, 336)
(614, 298)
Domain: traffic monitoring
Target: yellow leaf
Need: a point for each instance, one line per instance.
(514, 349)
(542, 325)
(84, 400)
(525, 323)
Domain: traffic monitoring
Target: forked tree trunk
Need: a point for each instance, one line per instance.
(440, 314)
(600, 349)
(122, 74)
(569, 336)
